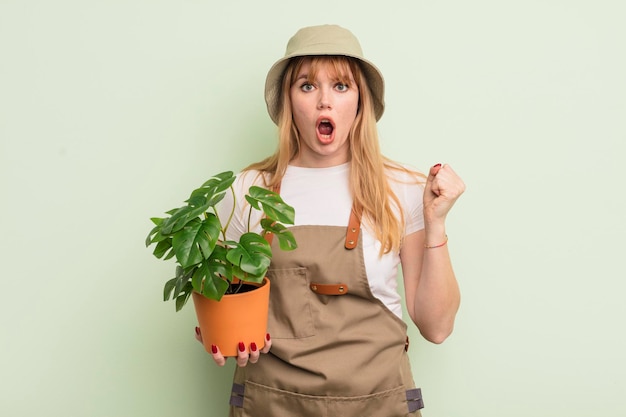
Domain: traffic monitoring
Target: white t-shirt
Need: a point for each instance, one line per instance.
(321, 196)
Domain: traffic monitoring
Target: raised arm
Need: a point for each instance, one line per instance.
(431, 288)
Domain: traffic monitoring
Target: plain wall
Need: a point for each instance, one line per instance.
(112, 111)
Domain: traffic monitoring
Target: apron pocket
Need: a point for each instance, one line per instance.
(260, 400)
(390, 403)
(290, 315)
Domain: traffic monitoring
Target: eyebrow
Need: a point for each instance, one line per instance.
(306, 77)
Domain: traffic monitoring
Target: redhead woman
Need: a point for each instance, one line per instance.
(337, 342)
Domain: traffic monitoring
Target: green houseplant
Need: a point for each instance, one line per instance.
(207, 263)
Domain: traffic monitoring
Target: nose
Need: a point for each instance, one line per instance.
(324, 100)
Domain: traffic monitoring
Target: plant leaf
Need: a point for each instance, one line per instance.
(213, 286)
(162, 247)
(212, 191)
(196, 241)
(183, 243)
(157, 220)
(169, 255)
(169, 287)
(180, 218)
(213, 275)
(181, 300)
(252, 254)
(272, 204)
(284, 235)
(155, 234)
(182, 279)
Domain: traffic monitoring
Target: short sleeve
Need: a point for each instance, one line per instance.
(409, 188)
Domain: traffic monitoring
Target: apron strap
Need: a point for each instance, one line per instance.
(354, 227)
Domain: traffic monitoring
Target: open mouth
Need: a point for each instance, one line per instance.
(325, 128)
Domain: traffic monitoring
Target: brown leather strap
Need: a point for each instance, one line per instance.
(329, 289)
(354, 227)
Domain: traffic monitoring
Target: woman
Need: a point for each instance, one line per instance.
(338, 342)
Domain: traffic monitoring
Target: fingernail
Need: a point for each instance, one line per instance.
(242, 347)
(253, 347)
(214, 349)
(198, 331)
(436, 165)
(267, 337)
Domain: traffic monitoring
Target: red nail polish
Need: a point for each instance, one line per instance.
(267, 337)
(436, 165)
(214, 349)
(198, 331)
(253, 347)
(242, 347)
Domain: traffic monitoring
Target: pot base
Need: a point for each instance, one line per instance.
(236, 318)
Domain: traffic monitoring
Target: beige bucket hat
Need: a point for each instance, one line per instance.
(323, 40)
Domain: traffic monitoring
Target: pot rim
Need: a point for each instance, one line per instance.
(266, 281)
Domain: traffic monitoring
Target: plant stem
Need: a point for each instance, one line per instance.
(231, 288)
(230, 216)
(249, 217)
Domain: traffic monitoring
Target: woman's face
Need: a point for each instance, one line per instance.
(324, 109)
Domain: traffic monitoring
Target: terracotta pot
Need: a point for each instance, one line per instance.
(235, 318)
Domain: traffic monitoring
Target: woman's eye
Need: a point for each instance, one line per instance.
(341, 87)
(307, 87)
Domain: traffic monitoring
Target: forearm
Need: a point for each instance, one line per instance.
(437, 296)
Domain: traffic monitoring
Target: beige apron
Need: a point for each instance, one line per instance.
(337, 351)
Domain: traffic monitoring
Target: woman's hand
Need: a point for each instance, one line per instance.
(443, 188)
(243, 357)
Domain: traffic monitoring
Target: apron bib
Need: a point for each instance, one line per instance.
(337, 351)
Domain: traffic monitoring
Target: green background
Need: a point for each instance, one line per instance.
(112, 111)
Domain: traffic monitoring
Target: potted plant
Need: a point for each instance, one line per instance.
(220, 272)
